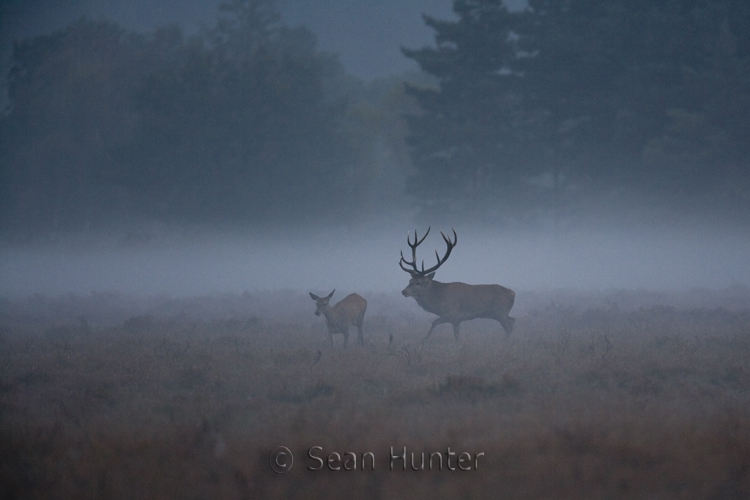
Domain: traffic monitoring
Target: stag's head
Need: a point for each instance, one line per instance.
(321, 302)
(421, 279)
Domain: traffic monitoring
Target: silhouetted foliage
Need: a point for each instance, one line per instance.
(465, 142)
(69, 98)
(524, 117)
(578, 98)
(231, 126)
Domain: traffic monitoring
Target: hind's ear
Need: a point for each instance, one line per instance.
(314, 297)
(331, 294)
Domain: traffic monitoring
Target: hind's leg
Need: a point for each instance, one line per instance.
(360, 322)
(507, 323)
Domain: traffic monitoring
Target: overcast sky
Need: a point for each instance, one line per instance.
(366, 34)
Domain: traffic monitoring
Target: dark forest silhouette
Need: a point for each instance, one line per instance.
(556, 110)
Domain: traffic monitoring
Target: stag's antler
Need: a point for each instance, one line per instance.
(413, 246)
(413, 263)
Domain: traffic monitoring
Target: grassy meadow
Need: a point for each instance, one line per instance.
(619, 394)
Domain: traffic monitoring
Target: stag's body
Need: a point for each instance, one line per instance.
(350, 311)
(456, 302)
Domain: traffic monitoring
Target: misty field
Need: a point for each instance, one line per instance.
(595, 395)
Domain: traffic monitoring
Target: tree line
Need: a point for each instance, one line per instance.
(569, 105)
(246, 123)
(524, 116)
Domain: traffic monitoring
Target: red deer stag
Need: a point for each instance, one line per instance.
(454, 302)
(349, 312)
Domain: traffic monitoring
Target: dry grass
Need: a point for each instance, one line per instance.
(110, 397)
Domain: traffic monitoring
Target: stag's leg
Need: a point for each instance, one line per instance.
(346, 337)
(435, 323)
(330, 337)
(456, 330)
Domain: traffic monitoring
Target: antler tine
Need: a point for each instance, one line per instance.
(404, 261)
(447, 240)
(417, 241)
(450, 244)
(413, 246)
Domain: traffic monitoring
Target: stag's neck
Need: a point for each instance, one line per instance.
(432, 300)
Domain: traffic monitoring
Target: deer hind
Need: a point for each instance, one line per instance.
(454, 302)
(349, 312)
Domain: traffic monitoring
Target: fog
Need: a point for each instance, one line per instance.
(347, 259)
(366, 35)
(124, 160)
(176, 176)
